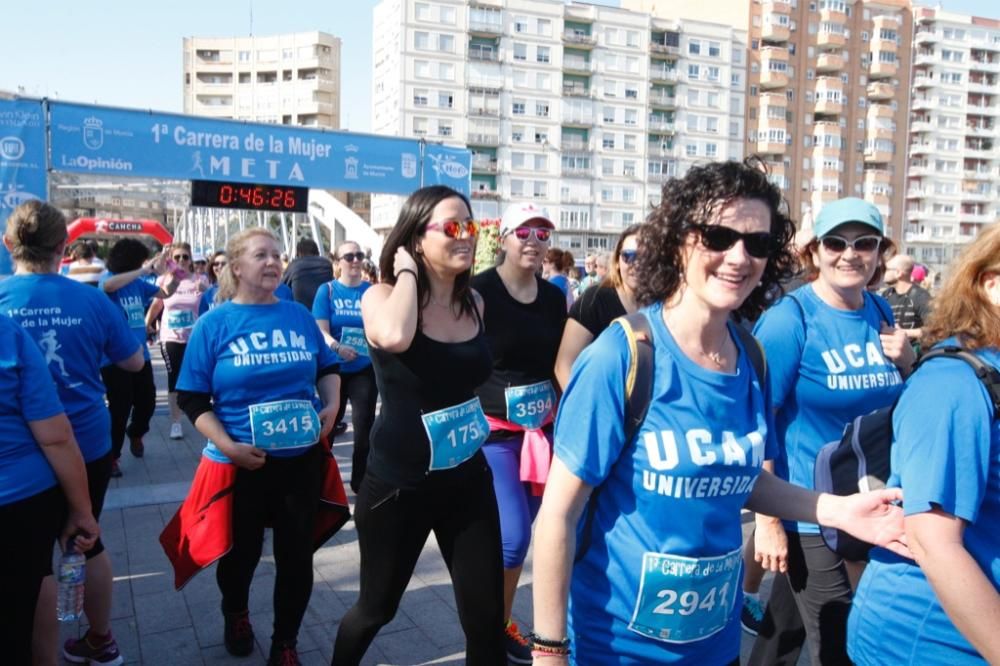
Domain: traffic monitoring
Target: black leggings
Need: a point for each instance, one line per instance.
(285, 493)
(129, 393)
(359, 387)
(458, 505)
(173, 358)
(31, 524)
(812, 600)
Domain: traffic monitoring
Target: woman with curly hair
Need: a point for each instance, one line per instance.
(659, 581)
(943, 607)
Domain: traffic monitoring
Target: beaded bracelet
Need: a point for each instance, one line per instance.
(541, 642)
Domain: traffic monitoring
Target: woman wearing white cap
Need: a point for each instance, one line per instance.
(524, 317)
(833, 353)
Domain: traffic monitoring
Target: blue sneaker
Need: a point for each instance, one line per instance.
(82, 651)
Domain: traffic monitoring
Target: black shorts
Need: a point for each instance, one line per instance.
(173, 357)
(98, 478)
(33, 524)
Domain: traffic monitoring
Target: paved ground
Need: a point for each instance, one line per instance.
(156, 625)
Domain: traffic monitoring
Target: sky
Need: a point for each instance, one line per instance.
(128, 53)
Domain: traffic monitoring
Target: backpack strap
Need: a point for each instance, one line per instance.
(755, 351)
(986, 373)
(638, 394)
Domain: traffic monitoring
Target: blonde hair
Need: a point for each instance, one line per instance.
(35, 231)
(237, 245)
(962, 307)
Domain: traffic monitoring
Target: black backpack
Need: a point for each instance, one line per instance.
(859, 461)
(639, 393)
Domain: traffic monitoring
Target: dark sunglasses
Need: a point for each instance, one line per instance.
(718, 238)
(219, 263)
(628, 256)
(454, 228)
(353, 256)
(839, 244)
(541, 233)
(181, 257)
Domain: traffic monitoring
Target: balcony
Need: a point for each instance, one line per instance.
(484, 111)
(880, 176)
(918, 237)
(577, 172)
(777, 7)
(873, 156)
(922, 126)
(657, 47)
(485, 28)
(977, 194)
(660, 125)
(773, 32)
(925, 36)
(828, 106)
(880, 111)
(482, 53)
(576, 91)
(483, 139)
(662, 101)
(984, 65)
(923, 81)
(484, 164)
(980, 174)
(579, 39)
(883, 70)
(984, 86)
(977, 218)
(979, 130)
(770, 79)
(922, 103)
(577, 66)
(875, 132)
(826, 38)
(925, 59)
(571, 119)
(922, 149)
(488, 194)
(662, 74)
(880, 91)
(768, 147)
(920, 170)
(486, 87)
(829, 62)
(832, 15)
(981, 153)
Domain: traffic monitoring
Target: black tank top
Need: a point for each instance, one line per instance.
(428, 376)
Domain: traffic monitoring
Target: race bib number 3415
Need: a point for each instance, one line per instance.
(284, 424)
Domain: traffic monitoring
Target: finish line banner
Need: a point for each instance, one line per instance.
(22, 161)
(122, 142)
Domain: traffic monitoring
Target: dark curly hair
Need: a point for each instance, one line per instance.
(695, 199)
(127, 255)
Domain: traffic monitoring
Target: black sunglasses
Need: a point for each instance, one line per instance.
(181, 257)
(629, 255)
(718, 238)
(353, 256)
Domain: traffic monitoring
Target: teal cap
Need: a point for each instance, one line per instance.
(847, 210)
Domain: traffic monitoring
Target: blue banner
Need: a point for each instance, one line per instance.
(448, 166)
(100, 140)
(22, 161)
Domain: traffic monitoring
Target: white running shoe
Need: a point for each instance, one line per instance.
(175, 431)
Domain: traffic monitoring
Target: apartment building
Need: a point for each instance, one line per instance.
(291, 79)
(583, 109)
(954, 157)
(828, 99)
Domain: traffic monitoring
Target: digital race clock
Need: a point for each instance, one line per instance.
(223, 194)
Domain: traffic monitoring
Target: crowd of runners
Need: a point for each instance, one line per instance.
(619, 424)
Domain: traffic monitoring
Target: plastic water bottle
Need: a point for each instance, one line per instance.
(72, 576)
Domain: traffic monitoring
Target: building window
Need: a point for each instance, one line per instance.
(520, 51)
(446, 100)
(446, 43)
(421, 41)
(542, 109)
(711, 150)
(608, 141)
(542, 55)
(541, 136)
(517, 109)
(694, 47)
(691, 150)
(448, 15)
(419, 98)
(713, 74)
(714, 49)
(422, 11)
(520, 24)
(444, 128)
(631, 93)
(693, 71)
(544, 27)
(419, 126)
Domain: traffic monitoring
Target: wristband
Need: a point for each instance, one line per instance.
(541, 642)
(406, 270)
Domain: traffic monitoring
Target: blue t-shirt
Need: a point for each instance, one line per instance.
(26, 394)
(207, 302)
(945, 454)
(676, 489)
(340, 305)
(245, 355)
(822, 376)
(134, 298)
(77, 328)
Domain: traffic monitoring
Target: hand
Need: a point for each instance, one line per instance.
(346, 353)
(874, 517)
(328, 418)
(403, 261)
(82, 528)
(897, 348)
(770, 544)
(245, 455)
(159, 263)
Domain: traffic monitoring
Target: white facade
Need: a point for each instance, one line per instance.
(954, 153)
(582, 109)
(291, 79)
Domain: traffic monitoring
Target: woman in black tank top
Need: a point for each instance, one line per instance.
(425, 470)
